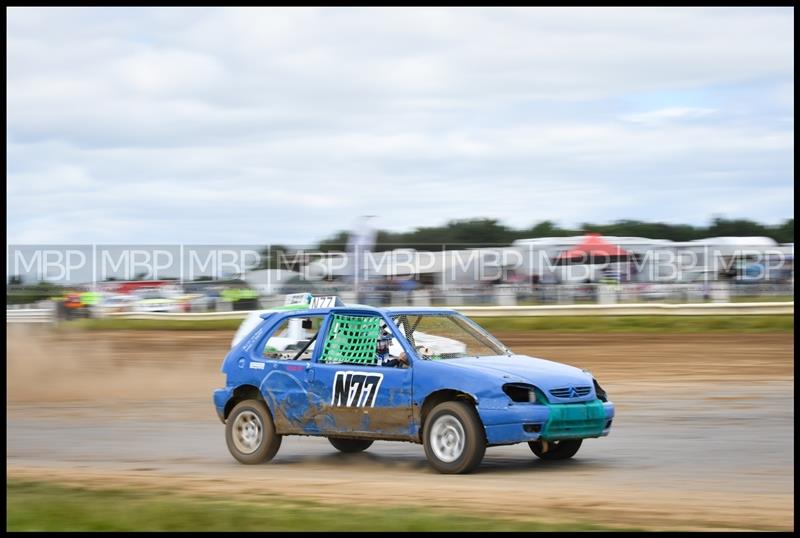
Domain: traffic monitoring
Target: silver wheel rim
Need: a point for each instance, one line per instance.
(447, 438)
(247, 432)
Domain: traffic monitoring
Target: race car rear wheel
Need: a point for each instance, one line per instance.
(453, 438)
(555, 450)
(250, 433)
(350, 445)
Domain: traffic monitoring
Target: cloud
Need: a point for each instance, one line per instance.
(281, 125)
(655, 117)
(168, 72)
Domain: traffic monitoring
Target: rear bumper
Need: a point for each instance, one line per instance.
(529, 422)
(221, 397)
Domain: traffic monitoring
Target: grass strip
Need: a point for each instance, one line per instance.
(587, 324)
(44, 506)
(643, 324)
(153, 324)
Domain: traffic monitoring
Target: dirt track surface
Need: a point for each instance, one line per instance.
(703, 437)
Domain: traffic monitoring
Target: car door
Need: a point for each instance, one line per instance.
(280, 366)
(351, 394)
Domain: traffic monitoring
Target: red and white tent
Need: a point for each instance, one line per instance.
(593, 250)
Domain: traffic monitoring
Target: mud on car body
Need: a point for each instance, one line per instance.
(324, 369)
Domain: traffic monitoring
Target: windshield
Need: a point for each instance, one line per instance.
(447, 336)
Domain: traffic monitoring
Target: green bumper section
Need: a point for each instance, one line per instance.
(577, 420)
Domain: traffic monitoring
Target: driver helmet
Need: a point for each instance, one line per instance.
(384, 341)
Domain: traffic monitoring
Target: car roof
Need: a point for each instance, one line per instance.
(358, 308)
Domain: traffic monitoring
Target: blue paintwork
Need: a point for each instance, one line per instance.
(299, 393)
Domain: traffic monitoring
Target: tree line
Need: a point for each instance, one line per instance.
(469, 233)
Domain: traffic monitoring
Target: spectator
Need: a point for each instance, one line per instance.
(407, 286)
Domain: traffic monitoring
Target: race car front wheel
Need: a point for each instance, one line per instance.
(453, 438)
(556, 450)
(250, 433)
(350, 445)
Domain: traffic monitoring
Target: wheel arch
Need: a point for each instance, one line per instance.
(444, 395)
(242, 393)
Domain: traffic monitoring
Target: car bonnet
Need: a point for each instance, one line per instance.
(544, 374)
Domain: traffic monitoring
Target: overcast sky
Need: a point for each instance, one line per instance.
(269, 125)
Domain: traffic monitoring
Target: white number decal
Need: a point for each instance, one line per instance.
(323, 302)
(355, 389)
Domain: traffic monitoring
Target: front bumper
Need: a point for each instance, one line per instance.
(522, 422)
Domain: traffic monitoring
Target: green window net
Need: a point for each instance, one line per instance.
(352, 339)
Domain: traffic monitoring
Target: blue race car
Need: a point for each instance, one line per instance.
(355, 374)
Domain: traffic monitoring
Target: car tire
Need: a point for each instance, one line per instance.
(555, 450)
(453, 438)
(350, 446)
(250, 433)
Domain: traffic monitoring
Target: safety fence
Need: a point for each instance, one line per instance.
(45, 315)
(30, 315)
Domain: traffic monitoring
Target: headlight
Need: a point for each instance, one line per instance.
(520, 392)
(601, 394)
